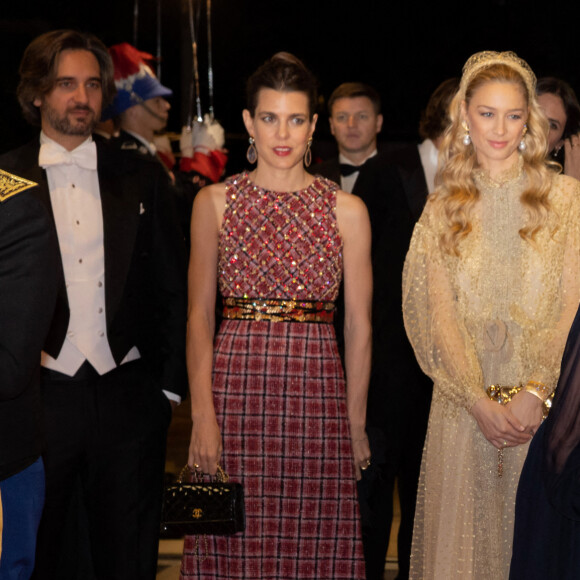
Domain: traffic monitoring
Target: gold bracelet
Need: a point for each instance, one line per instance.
(533, 391)
(539, 389)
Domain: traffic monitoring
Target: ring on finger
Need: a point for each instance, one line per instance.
(505, 443)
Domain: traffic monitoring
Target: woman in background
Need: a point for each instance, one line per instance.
(490, 287)
(269, 400)
(558, 101)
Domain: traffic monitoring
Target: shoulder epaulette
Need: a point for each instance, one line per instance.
(12, 184)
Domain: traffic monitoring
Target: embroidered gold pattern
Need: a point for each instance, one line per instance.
(278, 310)
(12, 184)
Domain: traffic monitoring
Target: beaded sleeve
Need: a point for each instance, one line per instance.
(546, 342)
(441, 342)
(532, 295)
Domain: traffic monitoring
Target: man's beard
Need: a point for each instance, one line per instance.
(64, 125)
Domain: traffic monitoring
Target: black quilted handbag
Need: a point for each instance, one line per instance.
(198, 507)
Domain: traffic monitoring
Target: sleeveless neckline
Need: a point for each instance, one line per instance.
(244, 179)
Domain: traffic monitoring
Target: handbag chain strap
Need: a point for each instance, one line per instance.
(197, 475)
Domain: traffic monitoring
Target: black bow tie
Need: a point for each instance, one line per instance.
(346, 169)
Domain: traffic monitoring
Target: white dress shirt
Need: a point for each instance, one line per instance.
(429, 157)
(76, 204)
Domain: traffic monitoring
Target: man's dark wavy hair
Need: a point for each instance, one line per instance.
(39, 64)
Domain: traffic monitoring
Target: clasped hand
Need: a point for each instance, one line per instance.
(509, 425)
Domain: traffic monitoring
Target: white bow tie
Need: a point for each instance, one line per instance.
(84, 156)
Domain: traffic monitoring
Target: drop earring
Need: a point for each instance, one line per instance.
(251, 153)
(308, 153)
(522, 146)
(466, 136)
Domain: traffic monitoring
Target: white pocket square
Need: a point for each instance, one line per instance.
(141, 209)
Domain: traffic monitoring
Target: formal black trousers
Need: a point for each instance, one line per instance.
(393, 459)
(104, 460)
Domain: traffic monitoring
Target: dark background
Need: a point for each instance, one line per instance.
(404, 48)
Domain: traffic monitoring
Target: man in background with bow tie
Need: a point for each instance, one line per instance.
(355, 121)
(399, 393)
(113, 362)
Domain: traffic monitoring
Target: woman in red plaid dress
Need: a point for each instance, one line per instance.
(269, 400)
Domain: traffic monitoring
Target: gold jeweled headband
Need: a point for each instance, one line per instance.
(487, 58)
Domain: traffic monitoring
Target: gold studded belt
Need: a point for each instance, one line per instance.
(278, 310)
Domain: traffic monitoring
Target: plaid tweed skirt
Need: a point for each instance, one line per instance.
(280, 398)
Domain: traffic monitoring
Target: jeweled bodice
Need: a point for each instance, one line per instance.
(281, 245)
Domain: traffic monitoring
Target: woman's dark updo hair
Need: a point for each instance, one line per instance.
(283, 72)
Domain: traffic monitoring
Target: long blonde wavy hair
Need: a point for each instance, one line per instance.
(455, 185)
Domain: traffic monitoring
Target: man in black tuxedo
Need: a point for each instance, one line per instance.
(417, 164)
(29, 275)
(113, 362)
(399, 393)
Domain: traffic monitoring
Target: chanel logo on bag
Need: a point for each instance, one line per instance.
(197, 513)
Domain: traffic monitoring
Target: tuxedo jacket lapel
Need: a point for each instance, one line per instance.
(408, 162)
(121, 214)
(121, 208)
(334, 171)
(329, 169)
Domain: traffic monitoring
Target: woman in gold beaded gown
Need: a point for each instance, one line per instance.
(271, 387)
(490, 289)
